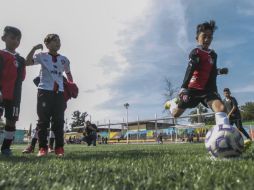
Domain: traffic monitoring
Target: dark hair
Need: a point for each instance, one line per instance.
(226, 90)
(12, 30)
(50, 37)
(206, 26)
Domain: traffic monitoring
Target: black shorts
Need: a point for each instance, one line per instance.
(193, 97)
(11, 110)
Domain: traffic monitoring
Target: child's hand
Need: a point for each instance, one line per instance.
(223, 71)
(37, 47)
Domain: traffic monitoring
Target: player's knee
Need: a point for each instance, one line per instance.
(218, 106)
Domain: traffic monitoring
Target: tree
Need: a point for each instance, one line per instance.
(78, 118)
(170, 90)
(169, 93)
(247, 111)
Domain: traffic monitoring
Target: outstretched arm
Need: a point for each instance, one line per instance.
(29, 58)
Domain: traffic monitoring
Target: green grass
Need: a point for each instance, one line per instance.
(171, 166)
(248, 123)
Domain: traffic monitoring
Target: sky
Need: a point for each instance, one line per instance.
(122, 50)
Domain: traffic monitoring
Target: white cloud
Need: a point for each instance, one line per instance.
(89, 30)
(246, 8)
(245, 89)
(120, 50)
(152, 52)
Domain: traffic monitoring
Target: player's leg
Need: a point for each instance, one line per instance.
(31, 147)
(44, 106)
(94, 139)
(8, 137)
(51, 141)
(172, 106)
(89, 140)
(239, 125)
(58, 123)
(248, 141)
(218, 107)
(11, 115)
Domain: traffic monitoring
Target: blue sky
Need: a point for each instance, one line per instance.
(167, 34)
(122, 50)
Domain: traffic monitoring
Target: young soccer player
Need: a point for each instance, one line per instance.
(12, 76)
(234, 114)
(70, 91)
(50, 100)
(199, 84)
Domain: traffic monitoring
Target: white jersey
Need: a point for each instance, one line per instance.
(51, 72)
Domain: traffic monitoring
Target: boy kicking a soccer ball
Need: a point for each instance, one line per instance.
(199, 84)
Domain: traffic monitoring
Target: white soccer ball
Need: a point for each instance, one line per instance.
(224, 141)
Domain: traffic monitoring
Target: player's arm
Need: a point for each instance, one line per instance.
(192, 65)
(91, 127)
(69, 76)
(234, 108)
(67, 70)
(29, 58)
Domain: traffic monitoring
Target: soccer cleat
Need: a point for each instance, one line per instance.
(6, 152)
(59, 151)
(42, 152)
(247, 144)
(51, 150)
(171, 105)
(28, 150)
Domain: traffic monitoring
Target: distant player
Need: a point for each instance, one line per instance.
(199, 84)
(90, 134)
(12, 74)
(50, 102)
(234, 114)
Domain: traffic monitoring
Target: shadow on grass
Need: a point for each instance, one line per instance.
(93, 154)
(84, 156)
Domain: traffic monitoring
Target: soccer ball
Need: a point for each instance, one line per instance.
(224, 141)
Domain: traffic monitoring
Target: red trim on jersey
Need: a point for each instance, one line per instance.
(201, 75)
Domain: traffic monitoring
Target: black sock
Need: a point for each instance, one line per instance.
(33, 143)
(51, 142)
(6, 144)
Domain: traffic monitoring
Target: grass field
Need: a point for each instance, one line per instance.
(169, 166)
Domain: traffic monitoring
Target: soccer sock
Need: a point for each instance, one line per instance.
(244, 132)
(221, 118)
(8, 137)
(51, 142)
(173, 105)
(34, 141)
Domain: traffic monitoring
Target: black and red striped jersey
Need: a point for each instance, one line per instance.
(11, 75)
(201, 72)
